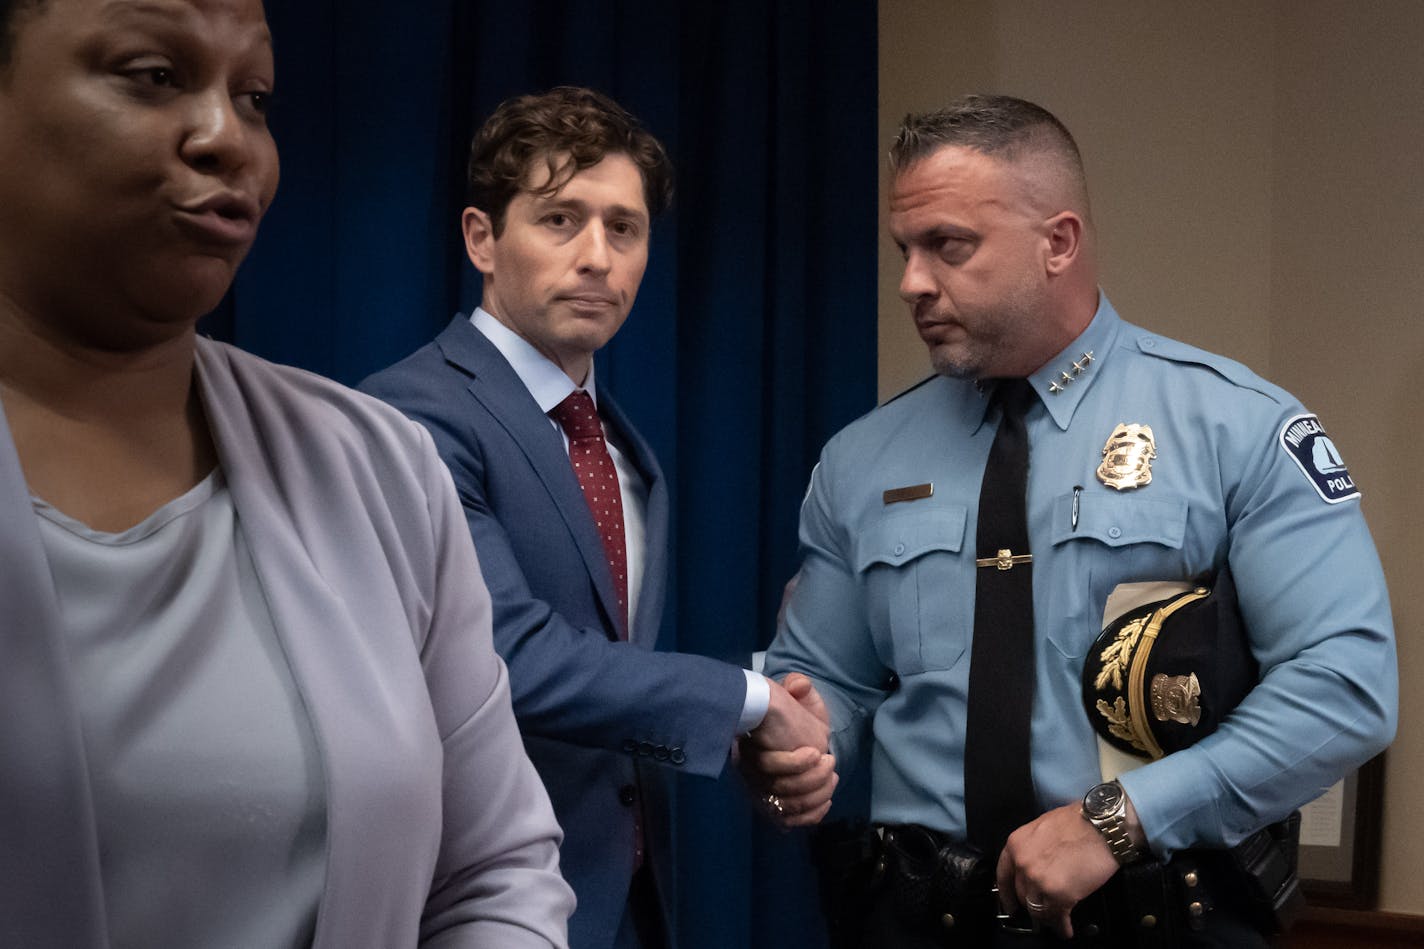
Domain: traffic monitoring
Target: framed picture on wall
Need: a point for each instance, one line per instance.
(1340, 841)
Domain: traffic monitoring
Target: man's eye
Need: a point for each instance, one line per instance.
(955, 249)
(558, 219)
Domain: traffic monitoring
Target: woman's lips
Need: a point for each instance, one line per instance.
(220, 219)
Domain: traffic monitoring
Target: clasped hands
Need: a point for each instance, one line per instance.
(785, 759)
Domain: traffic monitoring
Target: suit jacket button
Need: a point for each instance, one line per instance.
(630, 746)
(627, 795)
(678, 756)
(645, 748)
(660, 753)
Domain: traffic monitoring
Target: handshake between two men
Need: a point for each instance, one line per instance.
(786, 759)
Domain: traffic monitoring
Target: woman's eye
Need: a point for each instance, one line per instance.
(147, 80)
(159, 76)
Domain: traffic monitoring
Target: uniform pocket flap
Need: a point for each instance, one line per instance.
(904, 535)
(1121, 519)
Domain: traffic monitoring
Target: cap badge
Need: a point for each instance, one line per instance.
(1176, 698)
(1127, 457)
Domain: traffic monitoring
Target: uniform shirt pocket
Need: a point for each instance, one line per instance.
(1121, 519)
(912, 564)
(1118, 538)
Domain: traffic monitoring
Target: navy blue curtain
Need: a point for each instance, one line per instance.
(753, 338)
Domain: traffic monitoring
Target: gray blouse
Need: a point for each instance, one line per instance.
(206, 778)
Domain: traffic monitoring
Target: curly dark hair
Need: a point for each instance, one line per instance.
(8, 9)
(569, 128)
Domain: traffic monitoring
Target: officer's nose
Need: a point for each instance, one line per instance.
(917, 282)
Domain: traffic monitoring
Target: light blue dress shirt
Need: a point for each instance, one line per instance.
(883, 615)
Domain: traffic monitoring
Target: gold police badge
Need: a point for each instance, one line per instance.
(1127, 457)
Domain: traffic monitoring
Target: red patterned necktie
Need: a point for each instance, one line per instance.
(593, 466)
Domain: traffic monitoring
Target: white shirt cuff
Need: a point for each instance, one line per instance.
(757, 701)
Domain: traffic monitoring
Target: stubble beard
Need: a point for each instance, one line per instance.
(999, 348)
(948, 363)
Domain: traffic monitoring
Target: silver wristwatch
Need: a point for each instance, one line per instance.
(1105, 807)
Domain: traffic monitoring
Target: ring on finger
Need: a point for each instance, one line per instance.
(1034, 906)
(774, 802)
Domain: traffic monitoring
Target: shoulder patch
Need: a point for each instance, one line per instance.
(1304, 439)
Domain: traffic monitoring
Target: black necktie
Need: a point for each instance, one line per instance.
(998, 782)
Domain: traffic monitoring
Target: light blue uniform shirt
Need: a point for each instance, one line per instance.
(1241, 474)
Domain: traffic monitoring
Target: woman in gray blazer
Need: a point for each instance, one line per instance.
(248, 696)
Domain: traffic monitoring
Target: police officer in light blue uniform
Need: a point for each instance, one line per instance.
(1148, 460)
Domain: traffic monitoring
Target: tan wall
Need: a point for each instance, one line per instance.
(1258, 189)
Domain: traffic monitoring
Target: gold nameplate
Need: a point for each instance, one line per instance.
(913, 492)
(1005, 560)
(1127, 457)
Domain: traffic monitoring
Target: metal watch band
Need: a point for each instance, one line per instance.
(1114, 831)
(1112, 825)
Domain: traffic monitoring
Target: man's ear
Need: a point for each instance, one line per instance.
(1065, 242)
(479, 239)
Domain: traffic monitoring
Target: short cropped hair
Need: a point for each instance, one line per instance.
(8, 11)
(994, 125)
(568, 128)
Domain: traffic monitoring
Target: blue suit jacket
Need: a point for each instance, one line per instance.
(602, 719)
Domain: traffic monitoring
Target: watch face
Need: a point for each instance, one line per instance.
(1103, 799)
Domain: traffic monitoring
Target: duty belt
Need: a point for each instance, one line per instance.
(943, 890)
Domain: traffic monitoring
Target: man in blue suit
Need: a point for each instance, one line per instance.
(569, 509)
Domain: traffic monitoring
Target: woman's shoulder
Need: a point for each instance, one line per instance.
(241, 381)
(301, 421)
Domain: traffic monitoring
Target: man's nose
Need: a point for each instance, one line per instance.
(917, 281)
(595, 255)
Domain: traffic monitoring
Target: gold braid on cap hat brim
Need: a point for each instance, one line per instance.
(1137, 717)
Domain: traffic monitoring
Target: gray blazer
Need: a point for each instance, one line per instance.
(439, 833)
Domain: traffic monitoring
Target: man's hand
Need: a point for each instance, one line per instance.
(795, 718)
(784, 759)
(1050, 864)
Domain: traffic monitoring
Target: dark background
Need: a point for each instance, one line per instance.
(754, 335)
